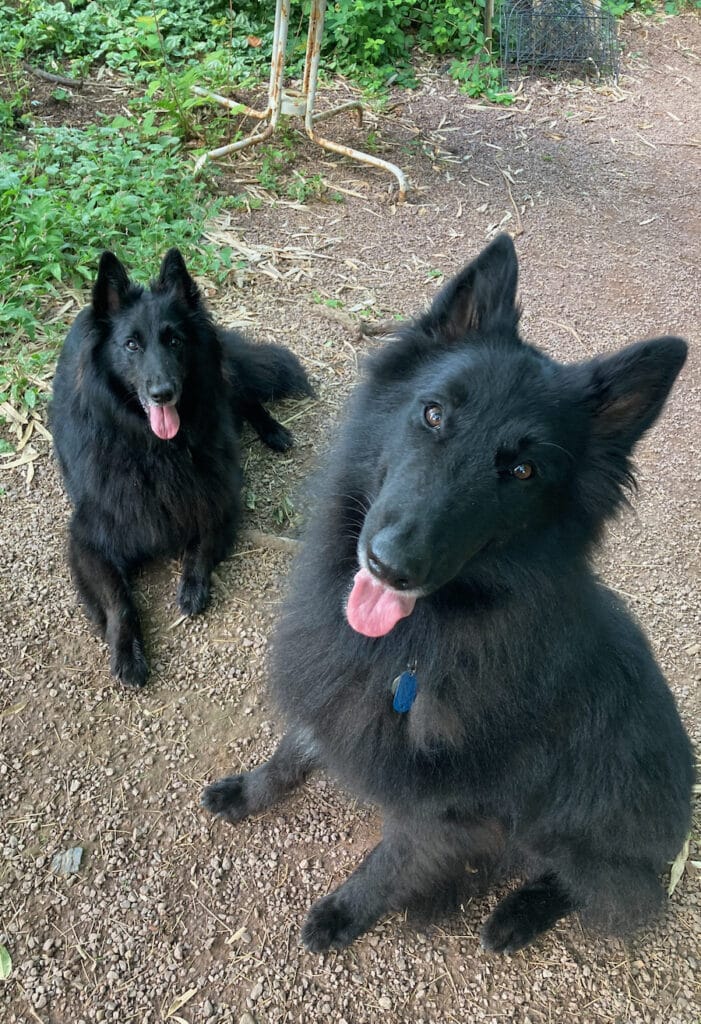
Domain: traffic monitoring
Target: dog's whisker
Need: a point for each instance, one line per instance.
(551, 444)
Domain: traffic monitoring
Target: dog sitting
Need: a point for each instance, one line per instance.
(149, 398)
(446, 650)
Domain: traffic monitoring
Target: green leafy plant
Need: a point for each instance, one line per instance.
(179, 108)
(285, 511)
(372, 40)
(303, 188)
(275, 161)
(78, 191)
(24, 376)
(121, 34)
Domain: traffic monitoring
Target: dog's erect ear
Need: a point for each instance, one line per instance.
(111, 287)
(484, 292)
(174, 276)
(628, 390)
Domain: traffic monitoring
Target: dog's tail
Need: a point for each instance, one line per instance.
(266, 372)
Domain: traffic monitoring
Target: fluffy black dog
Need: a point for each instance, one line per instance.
(149, 399)
(446, 650)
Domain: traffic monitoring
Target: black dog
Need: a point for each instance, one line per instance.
(446, 650)
(149, 398)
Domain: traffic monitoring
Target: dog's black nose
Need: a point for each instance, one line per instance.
(386, 573)
(161, 394)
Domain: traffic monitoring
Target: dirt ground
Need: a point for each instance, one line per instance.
(175, 917)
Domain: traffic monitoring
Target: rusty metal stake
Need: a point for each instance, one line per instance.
(299, 104)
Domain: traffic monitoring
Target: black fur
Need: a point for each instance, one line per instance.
(136, 496)
(543, 740)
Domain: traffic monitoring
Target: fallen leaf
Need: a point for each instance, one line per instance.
(179, 1002)
(29, 456)
(14, 709)
(238, 934)
(42, 430)
(11, 413)
(253, 41)
(26, 436)
(5, 964)
(678, 867)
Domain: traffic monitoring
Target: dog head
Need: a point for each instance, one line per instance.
(483, 448)
(148, 335)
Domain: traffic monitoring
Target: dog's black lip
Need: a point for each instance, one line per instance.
(362, 563)
(146, 403)
(427, 589)
(408, 592)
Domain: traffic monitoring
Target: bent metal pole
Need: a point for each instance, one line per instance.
(294, 103)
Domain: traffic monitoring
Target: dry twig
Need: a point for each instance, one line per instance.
(48, 76)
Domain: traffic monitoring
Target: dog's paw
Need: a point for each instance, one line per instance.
(511, 926)
(330, 924)
(278, 438)
(227, 798)
(525, 914)
(193, 594)
(129, 665)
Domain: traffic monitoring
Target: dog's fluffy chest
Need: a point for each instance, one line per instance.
(169, 490)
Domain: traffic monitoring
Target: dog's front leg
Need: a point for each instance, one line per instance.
(210, 545)
(237, 796)
(106, 594)
(195, 588)
(416, 856)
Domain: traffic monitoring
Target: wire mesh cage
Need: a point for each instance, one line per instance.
(558, 36)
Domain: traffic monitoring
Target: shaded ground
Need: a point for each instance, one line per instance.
(175, 917)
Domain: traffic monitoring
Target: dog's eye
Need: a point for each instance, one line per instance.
(173, 342)
(133, 345)
(523, 471)
(433, 416)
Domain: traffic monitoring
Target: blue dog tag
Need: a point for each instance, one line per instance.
(404, 688)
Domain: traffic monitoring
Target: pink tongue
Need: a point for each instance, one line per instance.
(374, 609)
(164, 421)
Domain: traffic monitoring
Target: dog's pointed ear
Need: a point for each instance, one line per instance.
(627, 391)
(111, 287)
(174, 276)
(483, 293)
